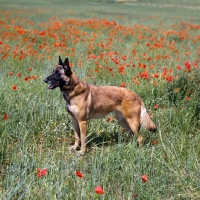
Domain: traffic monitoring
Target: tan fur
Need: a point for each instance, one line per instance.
(85, 101)
(90, 101)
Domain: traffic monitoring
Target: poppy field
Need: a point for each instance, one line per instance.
(150, 48)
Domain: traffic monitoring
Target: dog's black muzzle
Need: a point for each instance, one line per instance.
(46, 80)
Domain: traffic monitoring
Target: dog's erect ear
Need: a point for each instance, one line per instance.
(66, 62)
(60, 61)
(67, 68)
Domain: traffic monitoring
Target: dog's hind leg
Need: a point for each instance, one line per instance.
(130, 124)
(134, 125)
(76, 134)
(122, 121)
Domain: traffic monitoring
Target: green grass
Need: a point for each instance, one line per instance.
(155, 37)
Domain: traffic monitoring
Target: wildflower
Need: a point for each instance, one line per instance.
(133, 66)
(19, 74)
(5, 117)
(176, 90)
(155, 142)
(178, 67)
(93, 56)
(42, 33)
(187, 98)
(135, 80)
(156, 106)
(123, 84)
(79, 174)
(144, 178)
(10, 73)
(195, 65)
(115, 60)
(144, 75)
(41, 172)
(121, 69)
(187, 66)
(99, 190)
(109, 119)
(30, 69)
(26, 78)
(156, 75)
(124, 57)
(169, 78)
(14, 87)
(33, 77)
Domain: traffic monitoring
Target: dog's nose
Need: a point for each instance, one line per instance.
(45, 80)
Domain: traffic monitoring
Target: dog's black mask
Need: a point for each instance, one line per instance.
(60, 75)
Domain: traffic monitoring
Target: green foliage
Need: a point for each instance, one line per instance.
(138, 44)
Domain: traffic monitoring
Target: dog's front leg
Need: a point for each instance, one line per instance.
(83, 131)
(76, 134)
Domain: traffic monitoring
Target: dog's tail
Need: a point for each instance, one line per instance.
(146, 120)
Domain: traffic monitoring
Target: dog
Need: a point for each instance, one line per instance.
(85, 101)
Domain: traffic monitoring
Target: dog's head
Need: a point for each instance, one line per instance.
(60, 75)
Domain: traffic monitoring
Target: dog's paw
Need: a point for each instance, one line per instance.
(80, 153)
(72, 148)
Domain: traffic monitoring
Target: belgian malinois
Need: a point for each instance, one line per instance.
(85, 101)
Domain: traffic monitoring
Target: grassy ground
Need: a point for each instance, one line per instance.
(149, 47)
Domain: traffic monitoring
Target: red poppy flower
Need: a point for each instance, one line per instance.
(144, 75)
(19, 74)
(41, 172)
(178, 67)
(187, 66)
(93, 56)
(156, 75)
(156, 106)
(144, 178)
(79, 174)
(10, 73)
(109, 119)
(99, 190)
(124, 57)
(30, 69)
(121, 69)
(169, 78)
(195, 65)
(155, 142)
(26, 78)
(5, 117)
(14, 87)
(123, 84)
(187, 98)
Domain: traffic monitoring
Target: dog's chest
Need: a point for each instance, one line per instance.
(72, 109)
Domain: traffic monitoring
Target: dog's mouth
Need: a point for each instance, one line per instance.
(53, 85)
